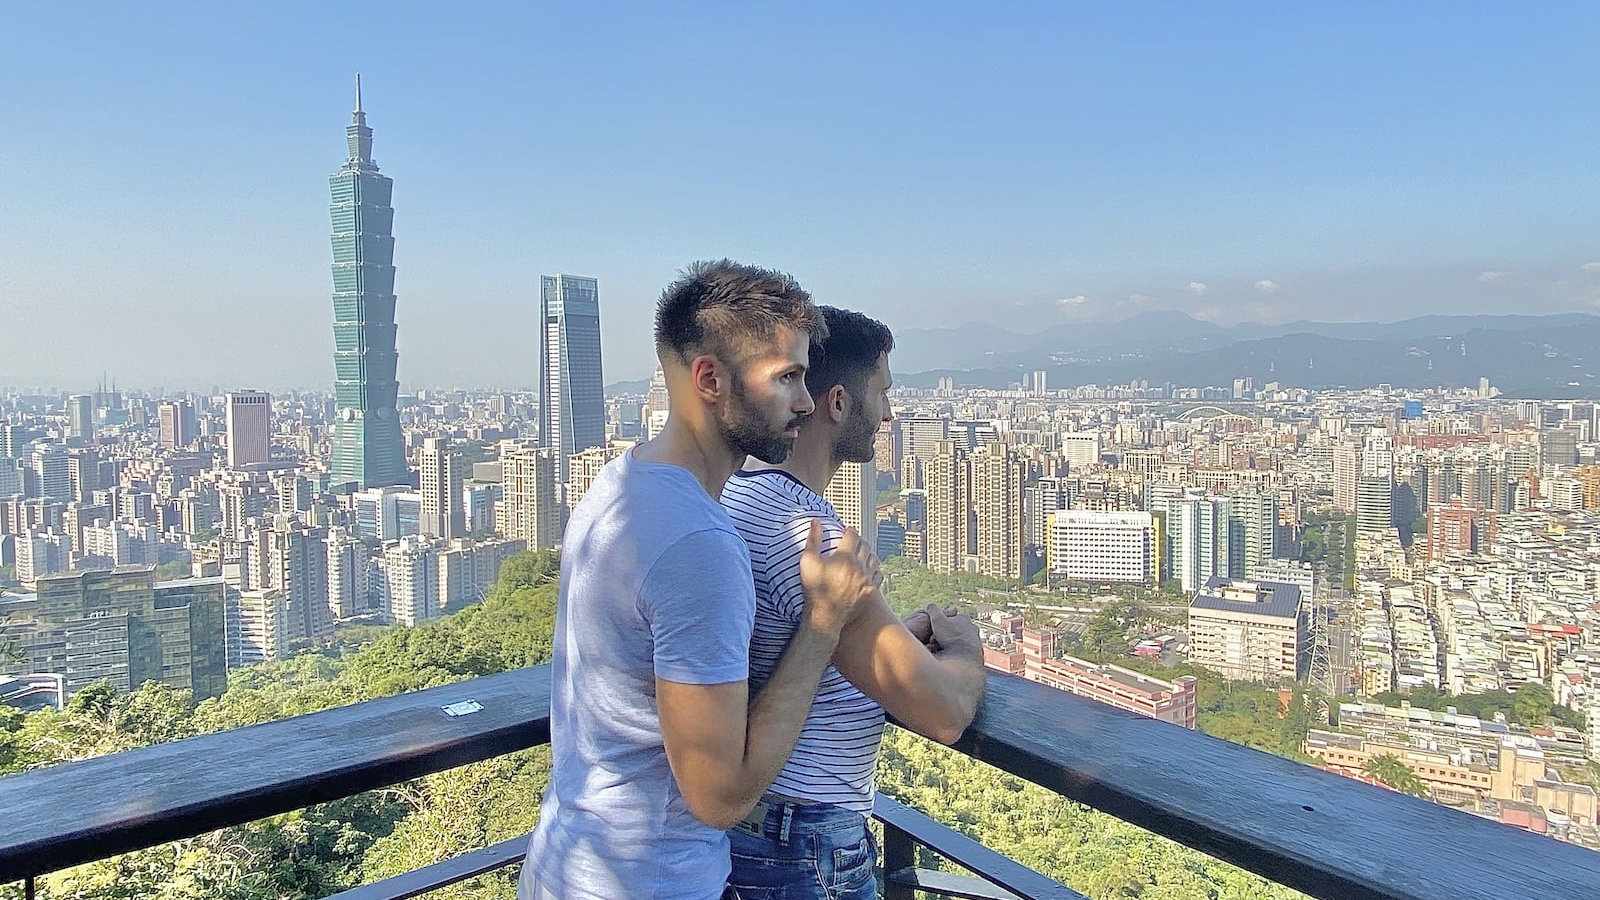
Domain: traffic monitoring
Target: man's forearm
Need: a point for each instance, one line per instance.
(780, 710)
(962, 682)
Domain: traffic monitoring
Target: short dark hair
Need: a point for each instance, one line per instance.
(848, 354)
(719, 306)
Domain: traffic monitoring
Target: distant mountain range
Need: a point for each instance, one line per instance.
(1523, 356)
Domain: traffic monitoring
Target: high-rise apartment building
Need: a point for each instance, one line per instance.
(83, 474)
(1080, 449)
(51, 473)
(1253, 529)
(10, 477)
(920, 437)
(386, 513)
(249, 419)
(947, 525)
(349, 564)
(997, 478)
(80, 417)
(468, 569)
(1374, 505)
(530, 510)
(367, 449)
(411, 580)
(257, 626)
(854, 495)
(297, 565)
(1346, 472)
(887, 448)
(1200, 532)
(442, 476)
(177, 422)
(1558, 447)
(584, 467)
(13, 441)
(572, 415)
(1377, 455)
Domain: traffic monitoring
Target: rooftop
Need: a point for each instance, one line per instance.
(1259, 598)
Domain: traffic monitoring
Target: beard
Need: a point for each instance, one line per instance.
(857, 440)
(747, 431)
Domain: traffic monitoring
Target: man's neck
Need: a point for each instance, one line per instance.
(702, 451)
(811, 462)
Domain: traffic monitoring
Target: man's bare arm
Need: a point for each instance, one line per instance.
(932, 692)
(725, 751)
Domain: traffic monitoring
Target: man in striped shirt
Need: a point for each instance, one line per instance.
(808, 837)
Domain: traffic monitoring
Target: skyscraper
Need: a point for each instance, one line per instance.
(442, 476)
(367, 450)
(177, 423)
(50, 472)
(572, 413)
(249, 415)
(80, 416)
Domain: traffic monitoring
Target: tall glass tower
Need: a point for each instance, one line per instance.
(572, 404)
(367, 450)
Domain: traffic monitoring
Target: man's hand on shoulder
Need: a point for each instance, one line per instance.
(839, 584)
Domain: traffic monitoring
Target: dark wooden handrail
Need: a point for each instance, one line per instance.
(1311, 830)
(79, 812)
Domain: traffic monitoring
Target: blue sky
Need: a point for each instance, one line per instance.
(163, 192)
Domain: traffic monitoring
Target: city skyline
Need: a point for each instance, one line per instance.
(1341, 168)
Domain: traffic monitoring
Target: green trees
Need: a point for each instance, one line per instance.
(1391, 771)
(1530, 704)
(1092, 852)
(326, 848)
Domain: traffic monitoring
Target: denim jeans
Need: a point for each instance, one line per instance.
(805, 852)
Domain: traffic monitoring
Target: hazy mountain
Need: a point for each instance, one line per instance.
(1533, 356)
(627, 387)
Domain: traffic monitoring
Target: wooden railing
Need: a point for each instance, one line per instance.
(1319, 833)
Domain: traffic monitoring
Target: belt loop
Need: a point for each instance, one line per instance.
(783, 830)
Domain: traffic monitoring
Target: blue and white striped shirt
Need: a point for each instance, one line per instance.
(837, 754)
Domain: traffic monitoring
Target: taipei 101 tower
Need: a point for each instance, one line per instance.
(367, 449)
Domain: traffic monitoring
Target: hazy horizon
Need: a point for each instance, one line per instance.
(166, 202)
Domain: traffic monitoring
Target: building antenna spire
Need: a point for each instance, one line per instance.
(358, 92)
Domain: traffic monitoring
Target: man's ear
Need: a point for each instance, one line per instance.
(708, 376)
(838, 403)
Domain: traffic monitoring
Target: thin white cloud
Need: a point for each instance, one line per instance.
(1590, 267)
(1491, 276)
(1070, 302)
(1198, 288)
(1267, 286)
(1140, 299)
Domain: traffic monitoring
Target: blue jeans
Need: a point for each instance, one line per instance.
(804, 852)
